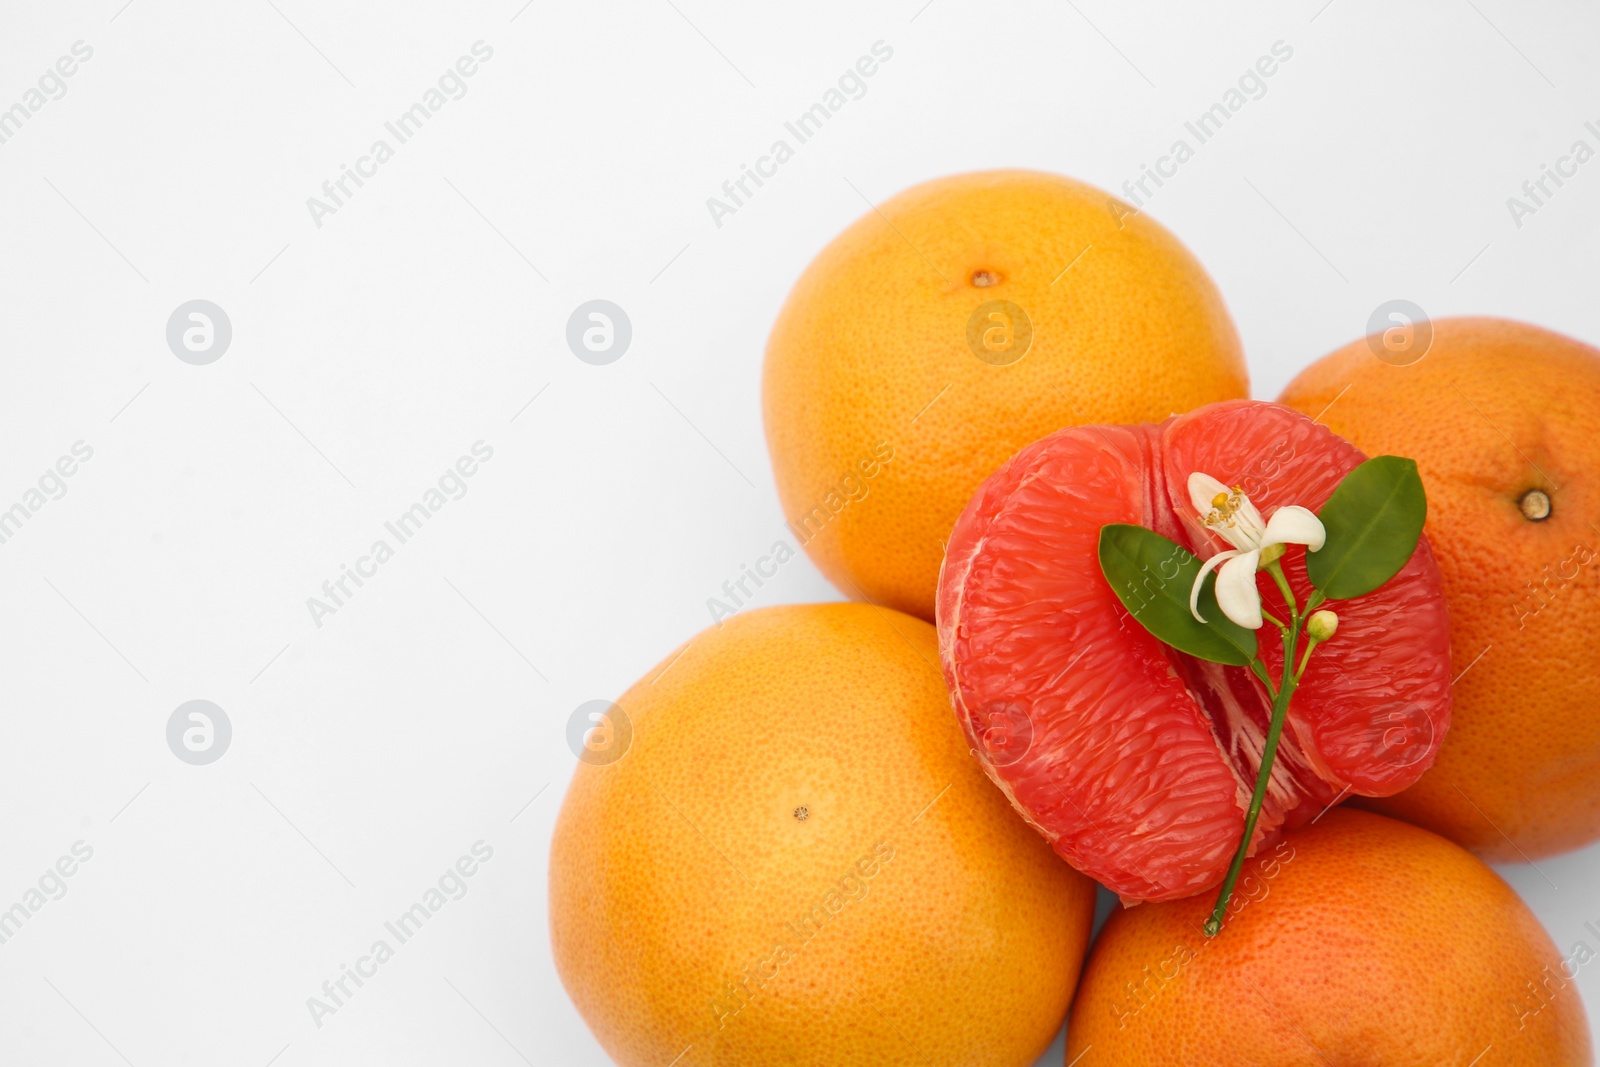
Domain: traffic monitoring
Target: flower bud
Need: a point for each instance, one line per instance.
(1322, 625)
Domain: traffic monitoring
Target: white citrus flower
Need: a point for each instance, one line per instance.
(1230, 514)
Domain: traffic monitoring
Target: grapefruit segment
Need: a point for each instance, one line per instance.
(1134, 760)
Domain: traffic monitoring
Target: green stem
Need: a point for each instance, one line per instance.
(1276, 570)
(1269, 752)
(1265, 614)
(1311, 643)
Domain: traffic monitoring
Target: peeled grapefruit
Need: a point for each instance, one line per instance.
(1134, 760)
(950, 326)
(797, 862)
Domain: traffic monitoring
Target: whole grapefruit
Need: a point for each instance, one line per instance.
(1135, 759)
(797, 861)
(1355, 940)
(949, 327)
(1501, 418)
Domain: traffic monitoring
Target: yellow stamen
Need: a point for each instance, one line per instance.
(1223, 507)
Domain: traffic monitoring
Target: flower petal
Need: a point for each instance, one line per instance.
(1237, 594)
(1294, 525)
(1203, 489)
(1200, 579)
(1250, 523)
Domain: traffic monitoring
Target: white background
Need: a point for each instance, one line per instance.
(368, 354)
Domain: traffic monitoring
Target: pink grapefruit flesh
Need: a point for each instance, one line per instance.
(1134, 760)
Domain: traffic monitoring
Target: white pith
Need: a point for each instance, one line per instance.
(1247, 743)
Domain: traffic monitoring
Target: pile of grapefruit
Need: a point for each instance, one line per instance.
(870, 832)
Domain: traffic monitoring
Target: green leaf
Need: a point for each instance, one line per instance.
(1373, 521)
(1152, 577)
